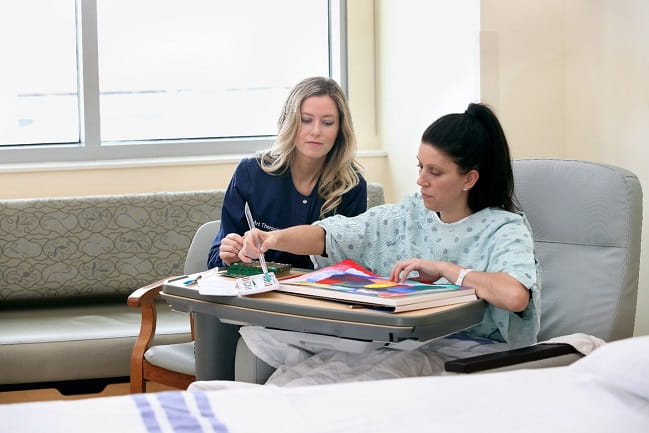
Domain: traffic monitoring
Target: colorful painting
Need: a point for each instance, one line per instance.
(349, 276)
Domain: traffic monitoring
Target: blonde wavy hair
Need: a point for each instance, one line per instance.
(340, 172)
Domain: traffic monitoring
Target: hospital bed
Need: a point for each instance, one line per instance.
(606, 391)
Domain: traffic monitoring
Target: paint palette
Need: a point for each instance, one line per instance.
(241, 269)
(257, 283)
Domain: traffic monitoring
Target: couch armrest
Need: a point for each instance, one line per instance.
(508, 357)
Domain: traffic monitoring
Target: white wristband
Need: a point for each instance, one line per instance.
(461, 275)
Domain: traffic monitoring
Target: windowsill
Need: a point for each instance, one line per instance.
(144, 162)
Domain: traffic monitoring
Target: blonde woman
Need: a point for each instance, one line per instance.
(309, 173)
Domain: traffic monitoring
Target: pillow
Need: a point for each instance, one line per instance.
(623, 364)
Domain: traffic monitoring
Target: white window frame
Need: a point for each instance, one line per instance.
(90, 148)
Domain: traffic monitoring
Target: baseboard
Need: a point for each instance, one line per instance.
(68, 387)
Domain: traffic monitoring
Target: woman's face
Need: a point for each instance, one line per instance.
(320, 122)
(442, 184)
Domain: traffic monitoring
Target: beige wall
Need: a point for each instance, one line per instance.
(523, 73)
(573, 82)
(426, 66)
(607, 99)
(152, 176)
(109, 180)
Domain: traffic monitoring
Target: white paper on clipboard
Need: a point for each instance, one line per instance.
(219, 286)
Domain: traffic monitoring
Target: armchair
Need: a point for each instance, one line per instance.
(175, 364)
(586, 220)
(169, 364)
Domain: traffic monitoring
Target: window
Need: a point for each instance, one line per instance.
(38, 89)
(118, 79)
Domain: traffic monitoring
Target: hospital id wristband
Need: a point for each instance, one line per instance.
(462, 274)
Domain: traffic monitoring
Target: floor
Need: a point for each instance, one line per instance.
(53, 394)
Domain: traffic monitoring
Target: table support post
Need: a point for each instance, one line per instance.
(215, 347)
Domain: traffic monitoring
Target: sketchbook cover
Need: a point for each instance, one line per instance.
(347, 280)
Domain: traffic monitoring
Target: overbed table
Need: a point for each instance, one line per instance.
(217, 319)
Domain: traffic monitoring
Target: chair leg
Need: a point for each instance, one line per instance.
(138, 383)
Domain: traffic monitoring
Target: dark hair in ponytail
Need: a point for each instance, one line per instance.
(474, 140)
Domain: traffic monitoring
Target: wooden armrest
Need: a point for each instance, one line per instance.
(144, 298)
(145, 295)
(508, 357)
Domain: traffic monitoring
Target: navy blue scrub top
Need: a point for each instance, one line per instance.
(275, 204)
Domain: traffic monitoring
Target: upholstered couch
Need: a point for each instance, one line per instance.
(67, 266)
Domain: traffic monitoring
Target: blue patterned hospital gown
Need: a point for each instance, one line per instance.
(491, 240)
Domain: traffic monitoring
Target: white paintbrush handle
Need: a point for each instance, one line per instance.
(251, 225)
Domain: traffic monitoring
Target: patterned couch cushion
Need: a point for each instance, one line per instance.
(97, 245)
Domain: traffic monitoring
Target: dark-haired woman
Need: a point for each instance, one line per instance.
(462, 227)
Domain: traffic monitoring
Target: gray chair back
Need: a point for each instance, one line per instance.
(375, 195)
(196, 260)
(180, 357)
(586, 220)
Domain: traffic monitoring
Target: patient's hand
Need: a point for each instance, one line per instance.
(427, 269)
(251, 241)
(301, 240)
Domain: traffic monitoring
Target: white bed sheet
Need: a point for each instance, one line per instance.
(607, 391)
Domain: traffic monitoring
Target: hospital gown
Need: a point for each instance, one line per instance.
(491, 240)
